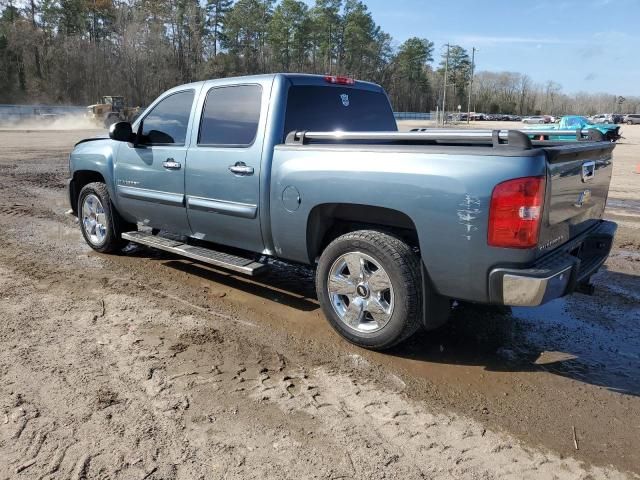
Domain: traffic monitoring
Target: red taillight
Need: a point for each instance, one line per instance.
(516, 212)
(339, 80)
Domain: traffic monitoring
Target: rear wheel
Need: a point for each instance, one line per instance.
(629, 122)
(369, 287)
(100, 223)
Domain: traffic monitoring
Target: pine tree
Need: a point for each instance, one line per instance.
(289, 35)
(216, 12)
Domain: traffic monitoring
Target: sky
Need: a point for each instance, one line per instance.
(587, 45)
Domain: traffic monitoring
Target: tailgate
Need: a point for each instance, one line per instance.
(577, 187)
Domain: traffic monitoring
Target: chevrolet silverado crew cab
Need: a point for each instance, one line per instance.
(312, 169)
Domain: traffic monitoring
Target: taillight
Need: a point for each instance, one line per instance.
(339, 80)
(516, 212)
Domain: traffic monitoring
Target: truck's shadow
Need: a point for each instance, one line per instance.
(595, 340)
(288, 285)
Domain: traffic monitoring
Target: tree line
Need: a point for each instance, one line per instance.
(75, 51)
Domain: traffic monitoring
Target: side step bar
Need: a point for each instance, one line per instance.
(212, 257)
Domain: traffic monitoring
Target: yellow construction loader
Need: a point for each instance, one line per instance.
(110, 110)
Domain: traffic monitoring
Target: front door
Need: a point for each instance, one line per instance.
(150, 175)
(222, 180)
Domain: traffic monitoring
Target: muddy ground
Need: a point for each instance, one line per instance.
(147, 366)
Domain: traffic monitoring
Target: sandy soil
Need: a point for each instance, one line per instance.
(147, 366)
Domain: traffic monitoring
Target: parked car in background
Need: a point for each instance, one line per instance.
(601, 118)
(632, 119)
(617, 118)
(610, 131)
(539, 119)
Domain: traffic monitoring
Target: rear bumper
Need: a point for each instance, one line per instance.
(554, 275)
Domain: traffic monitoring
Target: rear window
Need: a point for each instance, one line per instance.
(324, 108)
(230, 116)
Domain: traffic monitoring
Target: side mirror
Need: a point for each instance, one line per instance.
(121, 131)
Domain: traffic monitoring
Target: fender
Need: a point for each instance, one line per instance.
(96, 155)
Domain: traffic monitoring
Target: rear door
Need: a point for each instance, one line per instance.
(150, 175)
(222, 179)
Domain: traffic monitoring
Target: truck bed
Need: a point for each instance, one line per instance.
(442, 181)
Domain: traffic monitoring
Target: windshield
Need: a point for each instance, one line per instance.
(325, 108)
(577, 121)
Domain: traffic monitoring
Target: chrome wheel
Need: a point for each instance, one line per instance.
(361, 292)
(94, 220)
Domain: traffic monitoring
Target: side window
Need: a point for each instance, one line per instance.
(230, 116)
(166, 123)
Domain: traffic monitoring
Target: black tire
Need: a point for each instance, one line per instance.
(402, 266)
(629, 122)
(114, 223)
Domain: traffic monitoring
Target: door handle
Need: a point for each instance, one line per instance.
(241, 168)
(171, 164)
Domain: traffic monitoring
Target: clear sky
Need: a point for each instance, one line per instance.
(585, 45)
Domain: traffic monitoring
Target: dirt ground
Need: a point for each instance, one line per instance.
(147, 366)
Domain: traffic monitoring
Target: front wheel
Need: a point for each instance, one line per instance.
(369, 287)
(100, 223)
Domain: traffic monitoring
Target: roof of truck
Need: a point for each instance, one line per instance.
(295, 78)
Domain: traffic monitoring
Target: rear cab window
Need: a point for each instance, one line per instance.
(329, 108)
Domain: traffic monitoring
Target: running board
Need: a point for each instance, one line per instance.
(247, 266)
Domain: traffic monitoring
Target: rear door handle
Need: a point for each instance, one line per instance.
(171, 164)
(241, 168)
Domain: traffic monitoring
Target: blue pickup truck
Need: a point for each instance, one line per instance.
(312, 169)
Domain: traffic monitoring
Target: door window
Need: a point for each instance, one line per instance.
(230, 116)
(166, 123)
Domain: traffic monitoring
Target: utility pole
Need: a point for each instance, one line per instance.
(473, 59)
(444, 94)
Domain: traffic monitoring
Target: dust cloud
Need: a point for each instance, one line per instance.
(61, 122)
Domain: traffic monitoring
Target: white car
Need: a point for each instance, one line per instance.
(535, 119)
(602, 118)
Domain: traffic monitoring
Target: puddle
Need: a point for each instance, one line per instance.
(597, 344)
(593, 340)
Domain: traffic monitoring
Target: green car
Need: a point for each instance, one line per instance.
(610, 131)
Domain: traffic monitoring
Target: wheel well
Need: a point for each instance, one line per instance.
(330, 220)
(80, 179)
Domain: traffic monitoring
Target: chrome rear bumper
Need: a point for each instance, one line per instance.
(556, 274)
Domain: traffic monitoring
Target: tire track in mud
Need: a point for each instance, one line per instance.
(113, 280)
(156, 388)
